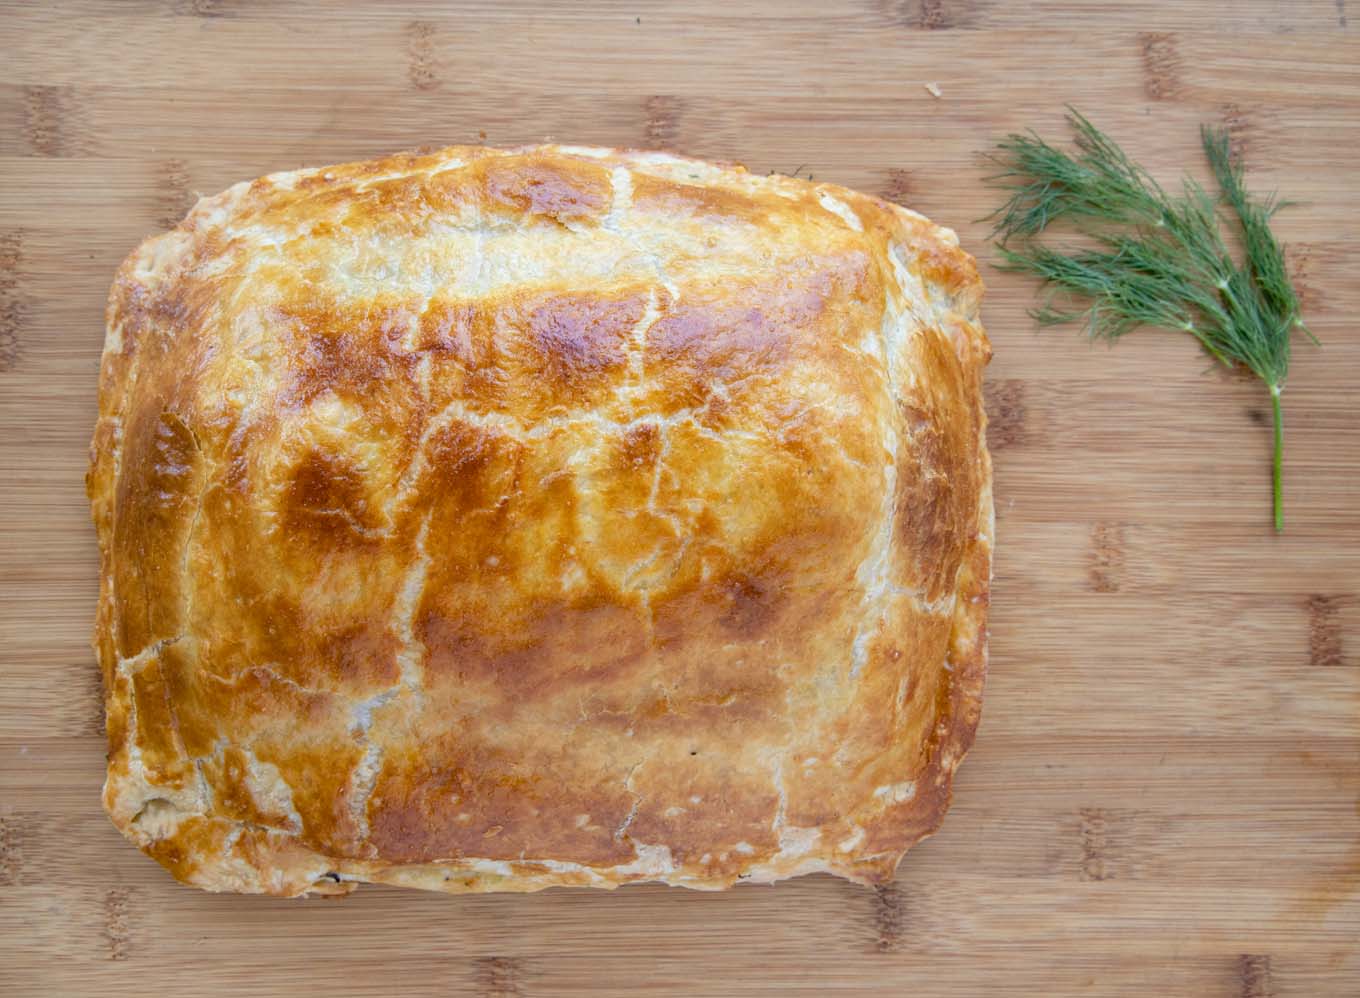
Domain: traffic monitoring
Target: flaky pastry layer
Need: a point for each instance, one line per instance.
(502, 519)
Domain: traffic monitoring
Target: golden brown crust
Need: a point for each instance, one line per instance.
(502, 519)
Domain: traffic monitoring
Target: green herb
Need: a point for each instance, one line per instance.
(1159, 259)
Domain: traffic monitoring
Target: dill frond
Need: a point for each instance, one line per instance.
(1160, 259)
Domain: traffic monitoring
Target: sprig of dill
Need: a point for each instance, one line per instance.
(1159, 259)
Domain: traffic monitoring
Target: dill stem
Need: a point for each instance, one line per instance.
(1279, 459)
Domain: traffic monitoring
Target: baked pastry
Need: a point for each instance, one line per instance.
(502, 519)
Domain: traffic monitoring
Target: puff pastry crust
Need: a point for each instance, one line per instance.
(503, 519)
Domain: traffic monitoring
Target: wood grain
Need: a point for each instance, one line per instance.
(1165, 794)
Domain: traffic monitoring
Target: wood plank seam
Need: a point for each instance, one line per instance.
(118, 922)
(12, 306)
(1253, 971)
(1108, 545)
(890, 917)
(662, 127)
(499, 976)
(1161, 65)
(420, 55)
(1324, 630)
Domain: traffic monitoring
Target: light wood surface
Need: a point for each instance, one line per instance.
(1164, 798)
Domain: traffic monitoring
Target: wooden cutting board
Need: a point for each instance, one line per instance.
(1165, 794)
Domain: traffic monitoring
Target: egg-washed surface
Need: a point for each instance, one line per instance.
(495, 520)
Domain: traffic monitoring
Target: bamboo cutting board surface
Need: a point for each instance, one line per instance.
(1164, 798)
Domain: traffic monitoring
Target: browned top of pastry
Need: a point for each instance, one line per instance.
(496, 519)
